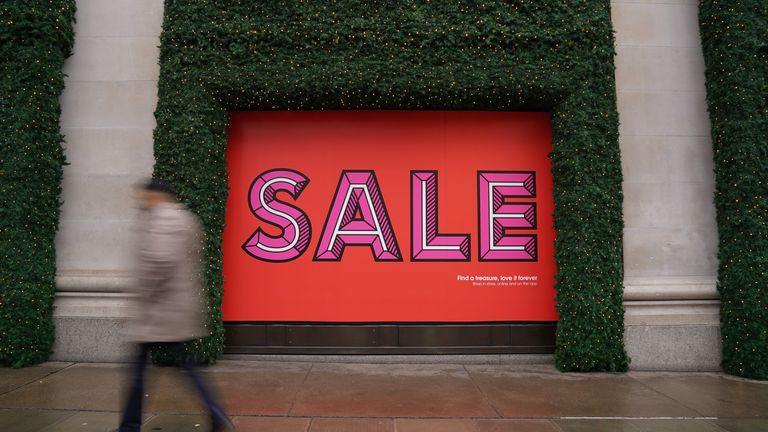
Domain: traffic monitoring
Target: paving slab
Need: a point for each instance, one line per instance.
(473, 425)
(271, 424)
(85, 421)
(743, 425)
(675, 425)
(595, 425)
(102, 387)
(82, 387)
(360, 390)
(264, 388)
(177, 423)
(31, 420)
(11, 379)
(352, 425)
(169, 391)
(711, 394)
(268, 388)
(515, 393)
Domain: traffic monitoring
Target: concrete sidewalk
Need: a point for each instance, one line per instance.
(315, 397)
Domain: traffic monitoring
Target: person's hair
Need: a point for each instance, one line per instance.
(159, 185)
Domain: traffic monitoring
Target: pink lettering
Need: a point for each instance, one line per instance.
(426, 243)
(295, 226)
(358, 193)
(358, 217)
(496, 216)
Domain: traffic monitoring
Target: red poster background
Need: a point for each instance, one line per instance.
(320, 144)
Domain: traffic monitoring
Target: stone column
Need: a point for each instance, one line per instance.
(670, 236)
(107, 118)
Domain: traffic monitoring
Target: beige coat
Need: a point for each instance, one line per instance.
(169, 305)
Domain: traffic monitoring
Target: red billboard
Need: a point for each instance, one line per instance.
(389, 216)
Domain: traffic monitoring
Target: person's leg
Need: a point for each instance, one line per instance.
(218, 416)
(131, 421)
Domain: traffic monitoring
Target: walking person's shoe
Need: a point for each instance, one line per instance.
(222, 424)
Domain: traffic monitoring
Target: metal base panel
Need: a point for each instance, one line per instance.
(389, 338)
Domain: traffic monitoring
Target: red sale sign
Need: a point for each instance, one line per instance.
(389, 216)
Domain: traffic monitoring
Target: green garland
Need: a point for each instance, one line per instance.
(528, 55)
(35, 38)
(735, 42)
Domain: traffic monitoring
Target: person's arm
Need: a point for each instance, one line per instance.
(158, 253)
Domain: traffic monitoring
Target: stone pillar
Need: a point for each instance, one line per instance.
(107, 118)
(670, 235)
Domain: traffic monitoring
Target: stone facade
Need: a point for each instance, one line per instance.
(107, 118)
(670, 235)
(670, 239)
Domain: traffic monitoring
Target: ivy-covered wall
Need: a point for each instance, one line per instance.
(735, 42)
(551, 55)
(35, 38)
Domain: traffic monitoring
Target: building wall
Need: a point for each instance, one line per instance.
(670, 237)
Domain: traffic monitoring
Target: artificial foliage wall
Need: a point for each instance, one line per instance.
(527, 55)
(35, 38)
(735, 42)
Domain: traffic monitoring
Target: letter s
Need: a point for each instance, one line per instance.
(294, 224)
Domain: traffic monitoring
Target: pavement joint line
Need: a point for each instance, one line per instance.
(39, 379)
(635, 418)
(62, 420)
(486, 398)
(298, 389)
(665, 395)
(555, 426)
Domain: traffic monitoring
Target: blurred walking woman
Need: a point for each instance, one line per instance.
(170, 305)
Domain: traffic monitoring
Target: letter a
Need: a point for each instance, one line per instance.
(295, 226)
(426, 243)
(358, 194)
